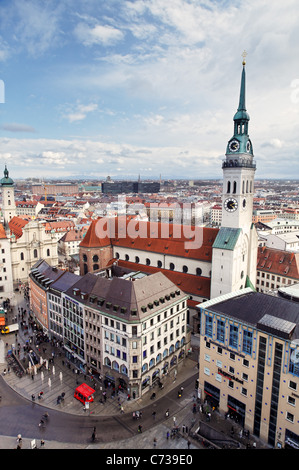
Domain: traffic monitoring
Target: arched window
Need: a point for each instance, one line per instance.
(159, 264)
(137, 259)
(247, 186)
(228, 187)
(85, 268)
(22, 256)
(127, 257)
(95, 267)
(243, 187)
(198, 271)
(95, 258)
(171, 266)
(151, 363)
(148, 261)
(117, 255)
(115, 366)
(185, 269)
(123, 370)
(35, 253)
(48, 252)
(235, 187)
(84, 258)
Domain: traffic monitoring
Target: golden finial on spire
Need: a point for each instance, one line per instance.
(244, 54)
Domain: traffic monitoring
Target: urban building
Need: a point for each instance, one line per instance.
(45, 189)
(249, 363)
(134, 328)
(276, 268)
(124, 187)
(28, 208)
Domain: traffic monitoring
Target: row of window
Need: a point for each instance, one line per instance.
(171, 266)
(233, 334)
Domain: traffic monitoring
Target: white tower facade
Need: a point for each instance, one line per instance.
(8, 198)
(235, 248)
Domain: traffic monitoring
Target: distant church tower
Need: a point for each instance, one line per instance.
(235, 248)
(8, 198)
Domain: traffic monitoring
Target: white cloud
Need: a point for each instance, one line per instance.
(98, 34)
(81, 111)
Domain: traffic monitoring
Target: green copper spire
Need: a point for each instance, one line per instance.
(6, 181)
(242, 114)
(240, 143)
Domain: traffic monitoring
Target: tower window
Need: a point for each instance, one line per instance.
(228, 187)
(235, 187)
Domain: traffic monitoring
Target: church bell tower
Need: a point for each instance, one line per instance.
(235, 247)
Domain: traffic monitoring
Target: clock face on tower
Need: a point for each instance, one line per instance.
(234, 145)
(231, 204)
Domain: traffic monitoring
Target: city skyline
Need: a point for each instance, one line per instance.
(91, 89)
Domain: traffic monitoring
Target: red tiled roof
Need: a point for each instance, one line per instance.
(16, 225)
(95, 236)
(57, 226)
(153, 237)
(189, 283)
(283, 263)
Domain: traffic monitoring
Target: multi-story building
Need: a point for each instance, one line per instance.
(134, 329)
(28, 208)
(263, 215)
(249, 365)
(68, 244)
(41, 277)
(276, 268)
(216, 215)
(6, 281)
(54, 189)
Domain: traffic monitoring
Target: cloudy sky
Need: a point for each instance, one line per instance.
(91, 88)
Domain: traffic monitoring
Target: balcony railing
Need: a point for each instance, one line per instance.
(238, 164)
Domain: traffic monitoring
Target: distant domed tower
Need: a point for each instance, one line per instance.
(8, 198)
(95, 250)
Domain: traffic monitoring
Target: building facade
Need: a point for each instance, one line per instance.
(133, 330)
(249, 363)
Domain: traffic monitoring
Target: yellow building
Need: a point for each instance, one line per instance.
(249, 363)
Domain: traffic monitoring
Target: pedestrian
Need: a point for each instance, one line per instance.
(154, 414)
(183, 428)
(140, 428)
(155, 442)
(42, 443)
(167, 435)
(188, 443)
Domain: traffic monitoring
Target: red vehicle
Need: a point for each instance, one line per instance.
(84, 393)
